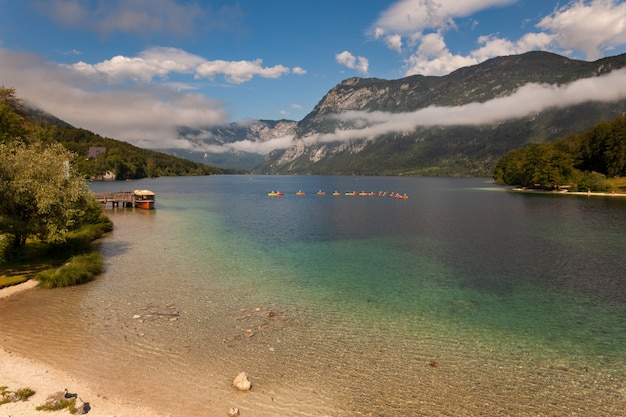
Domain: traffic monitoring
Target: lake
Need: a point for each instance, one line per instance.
(464, 299)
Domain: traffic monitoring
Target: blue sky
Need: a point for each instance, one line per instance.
(134, 69)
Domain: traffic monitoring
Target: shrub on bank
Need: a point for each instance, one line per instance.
(78, 270)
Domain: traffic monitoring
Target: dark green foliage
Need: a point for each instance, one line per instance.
(603, 148)
(12, 116)
(79, 241)
(581, 161)
(42, 196)
(40, 260)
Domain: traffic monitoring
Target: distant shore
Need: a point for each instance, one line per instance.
(565, 192)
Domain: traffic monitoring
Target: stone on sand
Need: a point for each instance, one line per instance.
(242, 383)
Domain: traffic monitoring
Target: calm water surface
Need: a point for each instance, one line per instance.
(463, 300)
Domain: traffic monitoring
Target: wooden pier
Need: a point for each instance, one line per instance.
(138, 198)
(123, 198)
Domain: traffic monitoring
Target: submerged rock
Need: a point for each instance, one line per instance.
(242, 383)
(233, 412)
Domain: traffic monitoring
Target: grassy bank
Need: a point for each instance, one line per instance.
(71, 262)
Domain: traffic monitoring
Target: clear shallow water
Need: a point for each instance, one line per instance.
(338, 305)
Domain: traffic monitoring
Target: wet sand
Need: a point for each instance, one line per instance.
(17, 372)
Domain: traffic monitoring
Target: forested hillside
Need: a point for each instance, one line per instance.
(123, 160)
(578, 162)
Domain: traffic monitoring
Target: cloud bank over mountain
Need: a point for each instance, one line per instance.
(526, 101)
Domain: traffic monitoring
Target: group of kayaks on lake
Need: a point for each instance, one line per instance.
(348, 193)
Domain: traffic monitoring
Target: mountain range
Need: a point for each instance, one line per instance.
(459, 124)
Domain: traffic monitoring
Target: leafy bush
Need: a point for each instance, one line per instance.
(78, 270)
(593, 181)
(24, 393)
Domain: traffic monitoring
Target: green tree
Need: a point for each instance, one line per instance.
(545, 165)
(592, 181)
(40, 194)
(13, 124)
(553, 168)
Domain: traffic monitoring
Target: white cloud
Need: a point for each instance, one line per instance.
(120, 68)
(358, 63)
(262, 148)
(591, 27)
(407, 17)
(240, 71)
(162, 61)
(145, 116)
(178, 56)
(434, 58)
(423, 23)
(394, 42)
(494, 46)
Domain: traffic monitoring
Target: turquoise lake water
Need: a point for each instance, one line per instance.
(464, 299)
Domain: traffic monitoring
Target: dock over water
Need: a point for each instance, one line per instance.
(138, 198)
(123, 198)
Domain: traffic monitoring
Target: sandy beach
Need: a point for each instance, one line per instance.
(18, 372)
(14, 289)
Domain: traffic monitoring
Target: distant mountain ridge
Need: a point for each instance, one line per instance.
(256, 131)
(441, 150)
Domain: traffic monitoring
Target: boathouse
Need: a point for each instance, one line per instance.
(138, 198)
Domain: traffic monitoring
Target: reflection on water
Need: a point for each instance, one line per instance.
(458, 301)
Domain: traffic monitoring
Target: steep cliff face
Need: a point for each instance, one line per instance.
(342, 135)
(440, 150)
